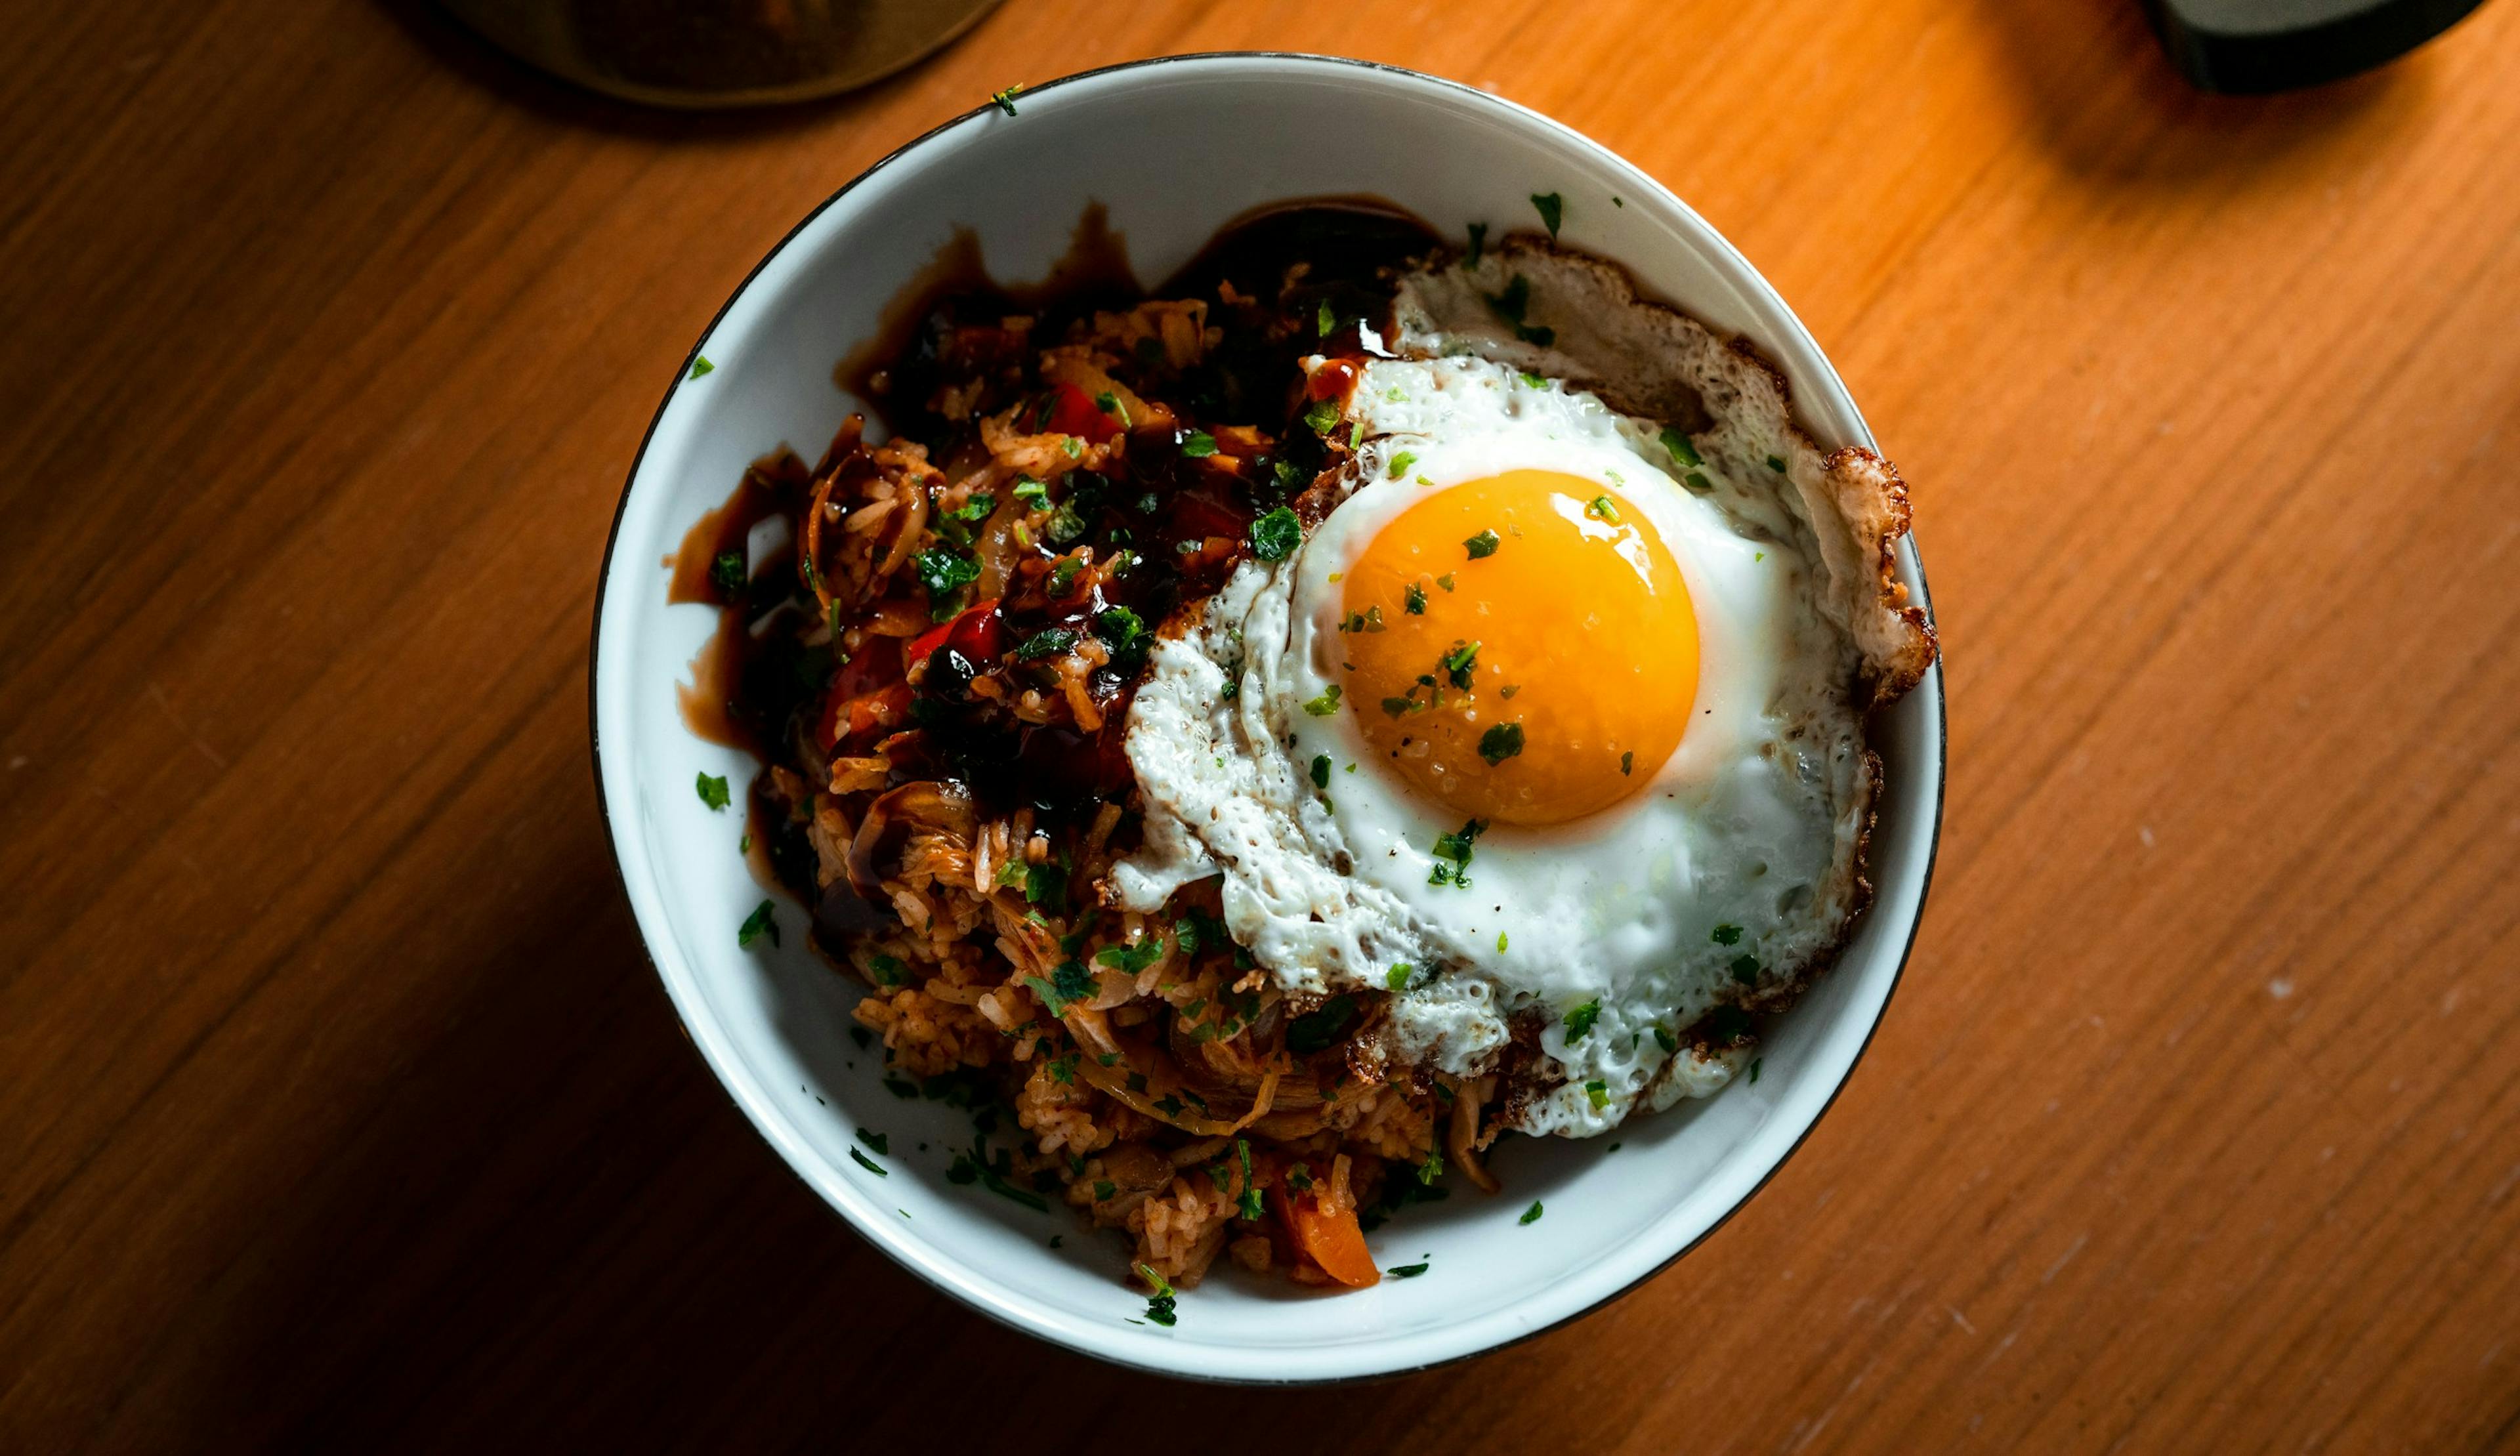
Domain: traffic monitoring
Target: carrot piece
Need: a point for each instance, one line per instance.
(1331, 1240)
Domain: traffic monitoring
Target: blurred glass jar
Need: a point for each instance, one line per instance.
(719, 52)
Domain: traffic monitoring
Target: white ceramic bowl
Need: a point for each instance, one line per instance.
(1175, 147)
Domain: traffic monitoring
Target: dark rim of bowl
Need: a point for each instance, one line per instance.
(595, 742)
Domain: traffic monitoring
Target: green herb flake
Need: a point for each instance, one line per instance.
(1500, 742)
(1445, 581)
(1032, 493)
(728, 572)
(713, 793)
(1501, 942)
(888, 970)
(1627, 763)
(1320, 1029)
(1532, 381)
(1046, 884)
(1727, 935)
(944, 572)
(1678, 444)
(1275, 536)
(1324, 321)
(867, 1163)
(1072, 447)
(1133, 958)
(1603, 508)
(1597, 1092)
(875, 1140)
(1325, 705)
(1398, 976)
(1461, 662)
(1068, 983)
(1484, 543)
(1159, 1309)
(1320, 770)
(1453, 851)
(1401, 462)
(1745, 969)
(1405, 1272)
(1048, 642)
(762, 921)
(1120, 627)
(1580, 1021)
(1198, 444)
(701, 365)
(1415, 597)
(1530, 1214)
(1006, 98)
(1776, 465)
(1552, 208)
(1666, 1040)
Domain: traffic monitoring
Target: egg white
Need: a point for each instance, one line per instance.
(1330, 888)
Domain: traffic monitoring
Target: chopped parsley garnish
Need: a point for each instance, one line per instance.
(1398, 976)
(1579, 1022)
(1532, 381)
(1159, 1309)
(1678, 444)
(1198, 931)
(1745, 969)
(1416, 600)
(1430, 1170)
(1198, 444)
(1320, 415)
(1062, 576)
(1405, 1272)
(1070, 983)
(1461, 662)
(1110, 404)
(1103, 1190)
(1603, 508)
(1401, 462)
(1501, 942)
(1500, 742)
(867, 1163)
(1006, 98)
(1445, 581)
(1325, 705)
(1251, 1204)
(1356, 435)
(1368, 620)
(1530, 1214)
(1666, 1040)
(944, 572)
(1550, 207)
(1776, 464)
(700, 367)
(1515, 301)
(712, 791)
(889, 970)
(728, 572)
(1120, 627)
(1131, 960)
(1319, 1028)
(1032, 493)
(1324, 321)
(1046, 884)
(1696, 482)
(1483, 543)
(1063, 1069)
(1320, 770)
(1048, 642)
(1727, 935)
(1275, 536)
(762, 921)
(1454, 851)
(1627, 763)
(975, 509)
(1072, 447)
(879, 1141)
(1478, 244)
(1597, 1092)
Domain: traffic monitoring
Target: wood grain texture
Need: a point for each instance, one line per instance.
(339, 1109)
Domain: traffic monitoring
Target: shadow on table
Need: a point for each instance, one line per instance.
(2110, 107)
(558, 1232)
(481, 64)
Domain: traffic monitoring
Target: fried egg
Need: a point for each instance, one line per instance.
(1547, 723)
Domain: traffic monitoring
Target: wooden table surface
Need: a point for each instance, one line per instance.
(339, 1109)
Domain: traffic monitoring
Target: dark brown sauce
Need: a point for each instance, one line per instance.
(748, 688)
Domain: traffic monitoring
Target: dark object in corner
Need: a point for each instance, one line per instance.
(2253, 47)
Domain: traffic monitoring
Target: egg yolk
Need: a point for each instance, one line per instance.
(1520, 647)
